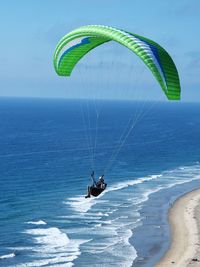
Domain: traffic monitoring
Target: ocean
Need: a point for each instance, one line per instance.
(149, 153)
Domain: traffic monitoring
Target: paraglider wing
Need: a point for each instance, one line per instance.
(73, 46)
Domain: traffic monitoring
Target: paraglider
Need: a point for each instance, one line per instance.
(77, 43)
(97, 187)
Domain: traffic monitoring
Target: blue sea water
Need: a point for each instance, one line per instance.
(48, 147)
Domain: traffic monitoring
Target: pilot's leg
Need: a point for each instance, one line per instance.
(88, 195)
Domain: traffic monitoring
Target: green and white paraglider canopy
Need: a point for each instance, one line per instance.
(77, 43)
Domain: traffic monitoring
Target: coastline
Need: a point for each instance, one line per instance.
(184, 220)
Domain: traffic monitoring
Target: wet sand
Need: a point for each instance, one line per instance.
(184, 220)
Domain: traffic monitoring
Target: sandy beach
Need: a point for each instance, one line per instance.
(184, 219)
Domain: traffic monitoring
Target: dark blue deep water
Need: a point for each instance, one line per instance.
(48, 149)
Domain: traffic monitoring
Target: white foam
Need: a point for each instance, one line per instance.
(128, 183)
(55, 246)
(46, 262)
(98, 225)
(115, 250)
(83, 205)
(49, 237)
(110, 237)
(40, 222)
(7, 256)
(107, 222)
(117, 232)
(80, 203)
(148, 192)
(126, 255)
(182, 168)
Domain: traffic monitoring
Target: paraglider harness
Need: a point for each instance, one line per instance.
(97, 187)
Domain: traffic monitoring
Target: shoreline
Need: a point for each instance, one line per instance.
(184, 221)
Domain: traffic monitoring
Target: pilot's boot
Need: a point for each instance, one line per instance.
(88, 195)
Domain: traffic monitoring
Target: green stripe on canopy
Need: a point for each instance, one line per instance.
(73, 46)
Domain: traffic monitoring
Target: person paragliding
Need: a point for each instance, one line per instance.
(101, 182)
(77, 43)
(97, 187)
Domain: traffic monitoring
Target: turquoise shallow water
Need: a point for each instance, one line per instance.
(46, 160)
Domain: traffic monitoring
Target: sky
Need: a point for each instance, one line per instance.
(30, 31)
